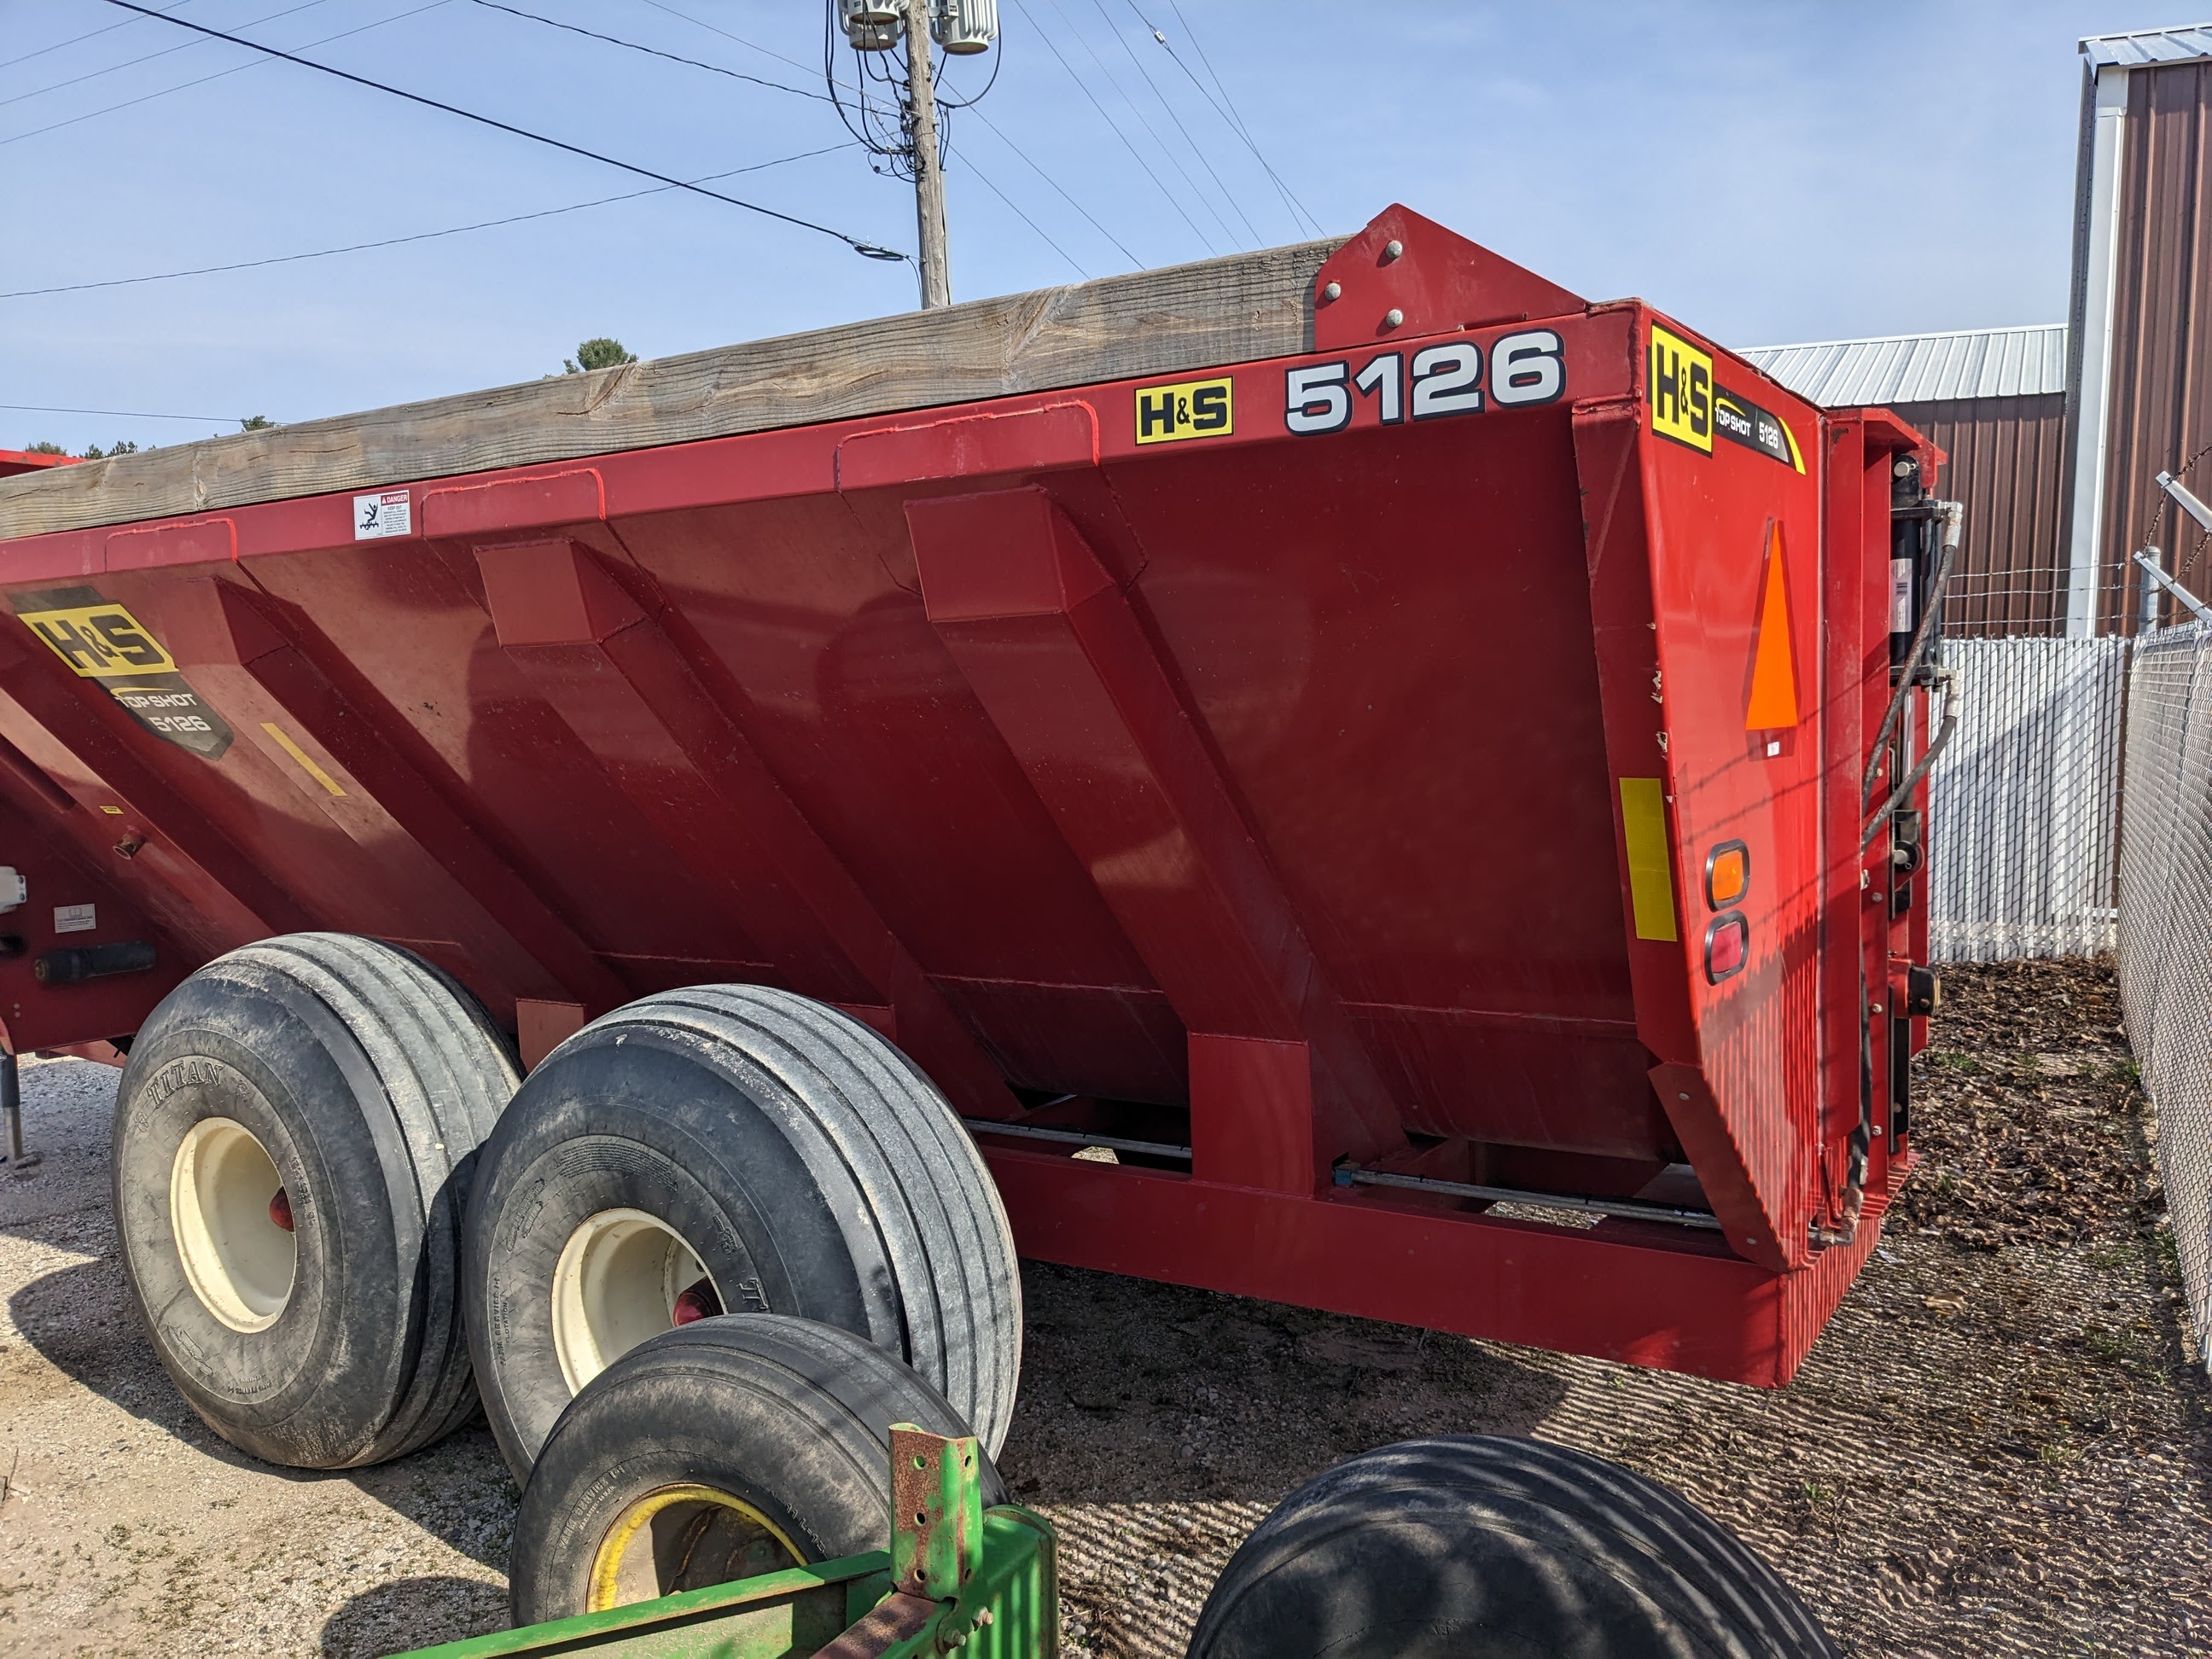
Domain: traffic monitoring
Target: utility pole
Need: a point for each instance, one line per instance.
(928, 169)
(875, 29)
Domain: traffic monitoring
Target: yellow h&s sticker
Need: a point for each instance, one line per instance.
(1681, 378)
(103, 642)
(1188, 409)
(100, 642)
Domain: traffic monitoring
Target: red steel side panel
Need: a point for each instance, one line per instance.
(1735, 563)
(1301, 747)
(1637, 1292)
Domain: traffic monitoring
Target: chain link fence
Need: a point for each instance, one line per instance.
(2166, 928)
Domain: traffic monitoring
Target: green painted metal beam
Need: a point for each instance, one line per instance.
(958, 1577)
(777, 1614)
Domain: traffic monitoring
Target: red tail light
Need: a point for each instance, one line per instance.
(1728, 943)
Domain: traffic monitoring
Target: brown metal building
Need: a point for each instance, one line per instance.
(2056, 433)
(1995, 400)
(2141, 316)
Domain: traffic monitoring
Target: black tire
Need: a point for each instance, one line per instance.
(789, 1417)
(796, 1158)
(1482, 1547)
(367, 1078)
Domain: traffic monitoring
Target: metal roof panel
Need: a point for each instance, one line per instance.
(2185, 44)
(1919, 368)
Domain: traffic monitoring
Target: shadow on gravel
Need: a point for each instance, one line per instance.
(79, 1320)
(1141, 1393)
(413, 1612)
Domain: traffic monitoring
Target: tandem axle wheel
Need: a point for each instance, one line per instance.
(318, 1165)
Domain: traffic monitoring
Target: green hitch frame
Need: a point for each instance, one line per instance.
(957, 1578)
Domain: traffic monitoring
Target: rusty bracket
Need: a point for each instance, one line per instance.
(937, 1512)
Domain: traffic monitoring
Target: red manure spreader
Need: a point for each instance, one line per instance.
(1347, 774)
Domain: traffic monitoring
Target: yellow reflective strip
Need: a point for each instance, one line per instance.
(1651, 879)
(307, 762)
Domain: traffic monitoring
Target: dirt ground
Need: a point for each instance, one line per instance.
(2001, 1445)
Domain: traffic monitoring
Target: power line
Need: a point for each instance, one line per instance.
(712, 28)
(998, 63)
(148, 58)
(235, 69)
(1026, 220)
(752, 46)
(827, 68)
(1196, 149)
(1109, 121)
(110, 29)
(419, 236)
(1130, 103)
(1055, 183)
(117, 414)
(1230, 114)
(827, 98)
(830, 97)
(869, 249)
(654, 51)
(749, 45)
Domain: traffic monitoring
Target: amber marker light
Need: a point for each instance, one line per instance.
(1727, 874)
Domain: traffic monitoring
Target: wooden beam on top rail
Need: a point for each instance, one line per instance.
(1236, 309)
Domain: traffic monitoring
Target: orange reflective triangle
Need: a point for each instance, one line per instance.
(1773, 660)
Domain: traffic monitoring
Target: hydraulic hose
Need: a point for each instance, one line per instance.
(1955, 524)
(1859, 1148)
(1949, 681)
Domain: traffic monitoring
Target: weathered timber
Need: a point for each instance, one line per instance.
(1152, 322)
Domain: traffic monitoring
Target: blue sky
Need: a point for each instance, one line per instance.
(1767, 173)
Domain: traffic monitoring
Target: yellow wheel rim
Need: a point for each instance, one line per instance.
(683, 1537)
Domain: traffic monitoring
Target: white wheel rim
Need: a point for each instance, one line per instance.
(615, 1286)
(238, 1261)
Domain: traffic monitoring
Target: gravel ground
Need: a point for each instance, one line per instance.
(2001, 1445)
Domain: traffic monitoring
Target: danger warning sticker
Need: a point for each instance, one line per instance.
(387, 513)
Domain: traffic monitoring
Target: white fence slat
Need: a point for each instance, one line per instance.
(2024, 802)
